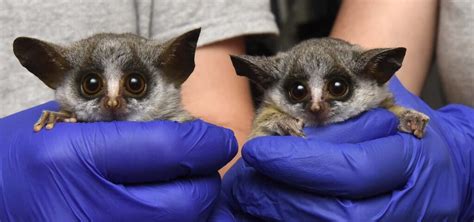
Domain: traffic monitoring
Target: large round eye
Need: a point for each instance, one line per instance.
(91, 84)
(298, 91)
(135, 84)
(337, 87)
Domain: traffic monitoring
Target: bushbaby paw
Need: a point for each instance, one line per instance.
(293, 127)
(414, 122)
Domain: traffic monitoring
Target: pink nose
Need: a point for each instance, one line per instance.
(316, 106)
(112, 103)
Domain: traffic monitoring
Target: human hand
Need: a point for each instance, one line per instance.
(110, 171)
(360, 170)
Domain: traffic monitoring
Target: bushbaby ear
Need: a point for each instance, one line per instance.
(254, 68)
(177, 59)
(381, 64)
(43, 59)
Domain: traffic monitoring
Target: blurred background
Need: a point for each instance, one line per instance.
(304, 19)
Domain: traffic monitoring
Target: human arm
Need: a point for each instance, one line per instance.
(391, 23)
(216, 94)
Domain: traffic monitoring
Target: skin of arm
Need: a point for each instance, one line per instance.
(393, 23)
(216, 94)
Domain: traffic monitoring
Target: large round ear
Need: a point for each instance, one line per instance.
(259, 70)
(43, 59)
(381, 64)
(177, 57)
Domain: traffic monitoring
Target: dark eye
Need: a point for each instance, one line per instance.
(337, 87)
(135, 84)
(91, 84)
(298, 91)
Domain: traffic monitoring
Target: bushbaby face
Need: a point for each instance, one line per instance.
(323, 80)
(113, 76)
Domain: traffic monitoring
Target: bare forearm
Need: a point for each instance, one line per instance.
(216, 94)
(393, 23)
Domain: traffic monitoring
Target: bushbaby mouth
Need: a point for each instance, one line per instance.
(119, 115)
(321, 116)
(321, 120)
(112, 115)
(316, 119)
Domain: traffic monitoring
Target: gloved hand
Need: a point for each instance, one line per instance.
(360, 170)
(110, 171)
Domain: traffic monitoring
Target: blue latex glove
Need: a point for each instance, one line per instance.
(115, 171)
(325, 177)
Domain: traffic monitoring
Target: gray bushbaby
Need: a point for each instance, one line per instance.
(322, 81)
(111, 76)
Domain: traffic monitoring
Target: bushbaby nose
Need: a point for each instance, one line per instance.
(112, 103)
(315, 107)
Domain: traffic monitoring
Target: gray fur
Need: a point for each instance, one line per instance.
(113, 56)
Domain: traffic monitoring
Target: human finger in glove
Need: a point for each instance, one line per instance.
(359, 170)
(110, 171)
